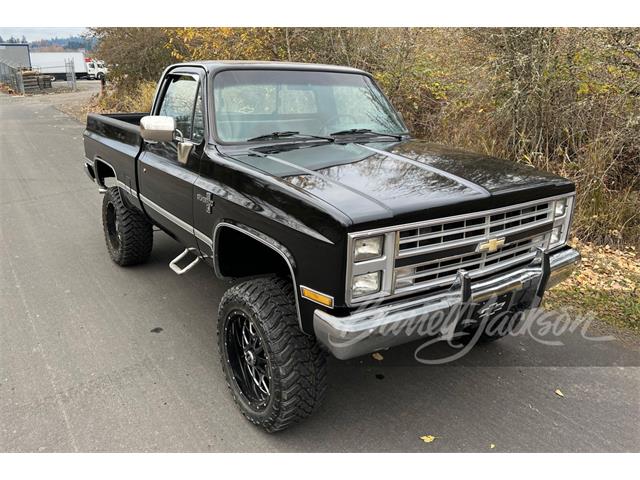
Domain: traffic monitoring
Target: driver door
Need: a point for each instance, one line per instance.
(165, 183)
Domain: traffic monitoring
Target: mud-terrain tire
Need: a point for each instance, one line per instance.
(278, 376)
(127, 232)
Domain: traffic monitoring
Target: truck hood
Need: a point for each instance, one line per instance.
(406, 181)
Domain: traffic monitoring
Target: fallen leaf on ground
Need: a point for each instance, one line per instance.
(428, 438)
(377, 356)
(559, 393)
(605, 286)
(492, 446)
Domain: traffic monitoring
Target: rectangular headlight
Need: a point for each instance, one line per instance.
(368, 248)
(556, 235)
(560, 208)
(366, 284)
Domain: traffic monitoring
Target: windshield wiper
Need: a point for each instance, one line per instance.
(287, 134)
(360, 131)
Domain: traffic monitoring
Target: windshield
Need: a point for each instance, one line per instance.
(252, 103)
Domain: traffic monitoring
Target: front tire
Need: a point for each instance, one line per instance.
(276, 374)
(127, 232)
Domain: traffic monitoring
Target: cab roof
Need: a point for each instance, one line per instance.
(212, 66)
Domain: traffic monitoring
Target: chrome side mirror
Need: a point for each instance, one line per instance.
(157, 128)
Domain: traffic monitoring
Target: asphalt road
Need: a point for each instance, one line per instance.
(81, 370)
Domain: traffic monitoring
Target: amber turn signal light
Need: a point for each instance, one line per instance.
(317, 297)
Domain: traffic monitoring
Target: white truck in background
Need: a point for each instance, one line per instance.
(54, 64)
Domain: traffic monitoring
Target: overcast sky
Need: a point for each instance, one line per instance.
(40, 33)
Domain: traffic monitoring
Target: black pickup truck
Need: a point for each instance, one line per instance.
(303, 182)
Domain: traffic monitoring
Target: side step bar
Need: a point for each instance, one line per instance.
(174, 263)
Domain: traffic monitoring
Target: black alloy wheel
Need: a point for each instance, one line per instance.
(247, 359)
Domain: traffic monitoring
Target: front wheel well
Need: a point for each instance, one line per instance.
(240, 255)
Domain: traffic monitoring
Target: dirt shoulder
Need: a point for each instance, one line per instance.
(607, 285)
(79, 103)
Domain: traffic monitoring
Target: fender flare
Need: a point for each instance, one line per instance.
(97, 161)
(265, 240)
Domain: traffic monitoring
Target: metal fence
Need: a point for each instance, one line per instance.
(70, 69)
(11, 76)
(33, 81)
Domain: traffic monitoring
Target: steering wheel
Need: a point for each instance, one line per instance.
(334, 120)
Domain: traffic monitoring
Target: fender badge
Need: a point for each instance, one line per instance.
(207, 200)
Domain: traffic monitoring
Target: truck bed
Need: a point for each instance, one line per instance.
(129, 122)
(114, 140)
(131, 118)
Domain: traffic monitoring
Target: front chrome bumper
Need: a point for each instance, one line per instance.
(378, 327)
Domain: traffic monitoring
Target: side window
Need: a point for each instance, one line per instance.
(179, 101)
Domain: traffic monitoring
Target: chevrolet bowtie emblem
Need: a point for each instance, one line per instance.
(490, 246)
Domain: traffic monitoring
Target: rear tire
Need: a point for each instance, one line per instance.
(128, 233)
(276, 374)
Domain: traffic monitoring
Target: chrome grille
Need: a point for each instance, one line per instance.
(439, 236)
(472, 229)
